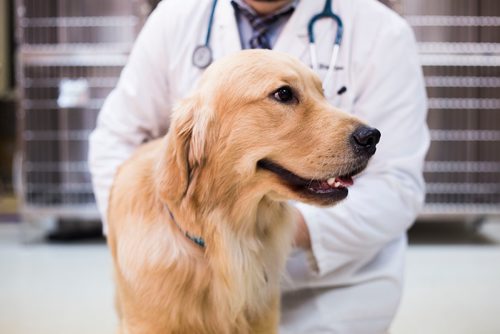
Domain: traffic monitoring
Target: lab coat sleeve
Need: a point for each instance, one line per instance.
(135, 111)
(386, 197)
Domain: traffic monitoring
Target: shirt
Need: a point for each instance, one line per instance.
(245, 28)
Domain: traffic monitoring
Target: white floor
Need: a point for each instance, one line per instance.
(52, 289)
(453, 284)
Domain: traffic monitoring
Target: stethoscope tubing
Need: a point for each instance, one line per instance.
(326, 13)
(210, 24)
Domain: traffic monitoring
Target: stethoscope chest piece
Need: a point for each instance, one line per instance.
(202, 56)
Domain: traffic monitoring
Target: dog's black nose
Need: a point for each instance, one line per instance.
(365, 139)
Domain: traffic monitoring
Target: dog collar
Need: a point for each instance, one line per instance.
(197, 240)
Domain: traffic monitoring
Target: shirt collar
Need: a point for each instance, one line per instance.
(241, 3)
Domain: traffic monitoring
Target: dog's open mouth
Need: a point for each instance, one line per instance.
(331, 189)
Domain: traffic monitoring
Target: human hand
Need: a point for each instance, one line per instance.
(302, 238)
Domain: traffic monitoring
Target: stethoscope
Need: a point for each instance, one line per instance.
(202, 55)
(327, 13)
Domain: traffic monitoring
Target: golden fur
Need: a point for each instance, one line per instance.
(206, 171)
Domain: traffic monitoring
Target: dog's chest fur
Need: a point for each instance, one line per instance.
(230, 284)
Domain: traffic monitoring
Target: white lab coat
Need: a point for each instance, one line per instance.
(357, 245)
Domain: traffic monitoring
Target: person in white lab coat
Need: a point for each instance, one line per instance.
(347, 269)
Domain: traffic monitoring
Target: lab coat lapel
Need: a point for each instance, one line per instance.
(293, 38)
(226, 38)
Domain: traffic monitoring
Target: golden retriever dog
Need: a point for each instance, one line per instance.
(199, 225)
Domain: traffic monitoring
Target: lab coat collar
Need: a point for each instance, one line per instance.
(226, 37)
(294, 39)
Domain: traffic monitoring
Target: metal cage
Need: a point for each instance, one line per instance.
(71, 53)
(459, 43)
(70, 56)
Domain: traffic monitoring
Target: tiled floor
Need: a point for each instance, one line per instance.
(453, 284)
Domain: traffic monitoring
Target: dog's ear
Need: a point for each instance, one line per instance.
(185, 149)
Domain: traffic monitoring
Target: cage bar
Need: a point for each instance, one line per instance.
(459, 45)
(70, 57)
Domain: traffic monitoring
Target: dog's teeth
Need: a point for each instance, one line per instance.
(337, 184)
(331, 181)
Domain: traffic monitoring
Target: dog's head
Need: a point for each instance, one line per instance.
(259, 125)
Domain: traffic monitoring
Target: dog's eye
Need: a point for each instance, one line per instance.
(284, 95)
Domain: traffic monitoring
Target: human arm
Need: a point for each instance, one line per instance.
(134, 112)
(302, 238)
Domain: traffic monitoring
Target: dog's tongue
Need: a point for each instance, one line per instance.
(337, 182)
(345, 181)
(329, 185)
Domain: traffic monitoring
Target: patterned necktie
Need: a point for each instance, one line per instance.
(261, 24)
